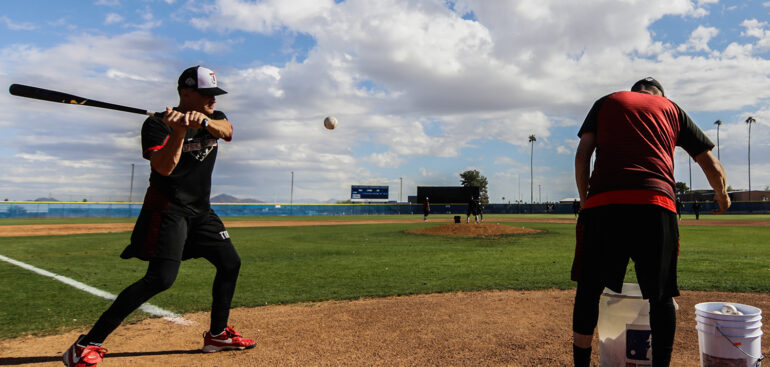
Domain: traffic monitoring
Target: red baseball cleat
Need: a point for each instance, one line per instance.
(227, 340)
(80, 356)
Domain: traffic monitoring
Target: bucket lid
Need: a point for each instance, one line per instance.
(707, 309)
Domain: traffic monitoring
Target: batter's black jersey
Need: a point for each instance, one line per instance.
(188, 187)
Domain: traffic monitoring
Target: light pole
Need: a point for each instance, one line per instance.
(131, 187)
(532, 141)
(291, 197)
(718, 123)
(750, 121)
(400, 189)
(539, 194)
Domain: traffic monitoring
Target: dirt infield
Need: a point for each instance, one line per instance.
(474, 230)
(492, 328)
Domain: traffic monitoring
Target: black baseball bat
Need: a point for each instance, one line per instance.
(54, 96)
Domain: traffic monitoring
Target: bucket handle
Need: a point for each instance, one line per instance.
(759, 359)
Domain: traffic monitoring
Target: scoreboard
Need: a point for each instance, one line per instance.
(363, 192)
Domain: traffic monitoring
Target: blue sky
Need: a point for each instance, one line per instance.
(423, 89)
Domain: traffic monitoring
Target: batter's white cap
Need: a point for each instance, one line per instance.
(201, 79)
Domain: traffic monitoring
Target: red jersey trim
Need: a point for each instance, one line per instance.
(146, 153)
(636, 197)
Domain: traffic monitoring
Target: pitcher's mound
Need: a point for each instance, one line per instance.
(474, 230)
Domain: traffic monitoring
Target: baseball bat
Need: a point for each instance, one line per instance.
(54, 96)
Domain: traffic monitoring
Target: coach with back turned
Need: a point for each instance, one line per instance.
(628, 207)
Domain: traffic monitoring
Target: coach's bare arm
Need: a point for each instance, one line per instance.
(583, 164)
(717, 179)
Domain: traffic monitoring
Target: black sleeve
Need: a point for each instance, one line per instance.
(154, 135)
(591, 122)
(691, 137)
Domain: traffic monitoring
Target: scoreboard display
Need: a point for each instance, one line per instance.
(359, 192)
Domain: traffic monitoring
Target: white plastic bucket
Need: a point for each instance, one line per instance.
(624, 328)
(727, 339)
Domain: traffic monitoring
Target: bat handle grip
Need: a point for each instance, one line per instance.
(155, 114)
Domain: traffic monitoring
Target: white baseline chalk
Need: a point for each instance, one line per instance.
(146, 307)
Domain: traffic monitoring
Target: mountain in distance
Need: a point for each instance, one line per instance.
(45, 199)
(225, 198)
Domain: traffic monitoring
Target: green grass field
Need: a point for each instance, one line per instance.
(313, 263)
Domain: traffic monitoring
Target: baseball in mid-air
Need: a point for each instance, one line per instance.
(330, 122)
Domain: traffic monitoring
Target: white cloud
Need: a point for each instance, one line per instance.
(209, 47)
(386, 159)
(107, 2)
(699, 39)
(407, 80)
(564, 150)
(113, 18)
(756, 29)
(15, 26)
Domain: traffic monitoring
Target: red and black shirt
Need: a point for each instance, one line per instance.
(188, 187)
(636, 134)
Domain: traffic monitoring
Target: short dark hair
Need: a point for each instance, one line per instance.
(648, 81)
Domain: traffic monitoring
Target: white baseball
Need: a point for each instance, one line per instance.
(330, 122)
(728, 309)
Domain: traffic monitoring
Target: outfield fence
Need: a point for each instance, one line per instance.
(44, 209)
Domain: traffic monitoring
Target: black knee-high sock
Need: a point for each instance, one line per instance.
(581, 356)
(228, 265)
(159, 277)
(663, 327)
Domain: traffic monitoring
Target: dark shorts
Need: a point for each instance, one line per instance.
(608, 236)
(162, 234)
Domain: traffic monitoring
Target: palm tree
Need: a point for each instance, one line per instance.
(718, 123)
(532, 140)
(750, 121)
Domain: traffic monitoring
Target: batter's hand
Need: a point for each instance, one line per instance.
(195, 119)
(175, 119)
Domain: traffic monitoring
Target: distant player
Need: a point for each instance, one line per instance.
(696, 209)
(472, 210)
(479, 209)
(425, 209)
(176, 221)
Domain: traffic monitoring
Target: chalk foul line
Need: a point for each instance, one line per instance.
(146, 307)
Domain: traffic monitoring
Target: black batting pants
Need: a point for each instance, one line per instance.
(161, 274)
